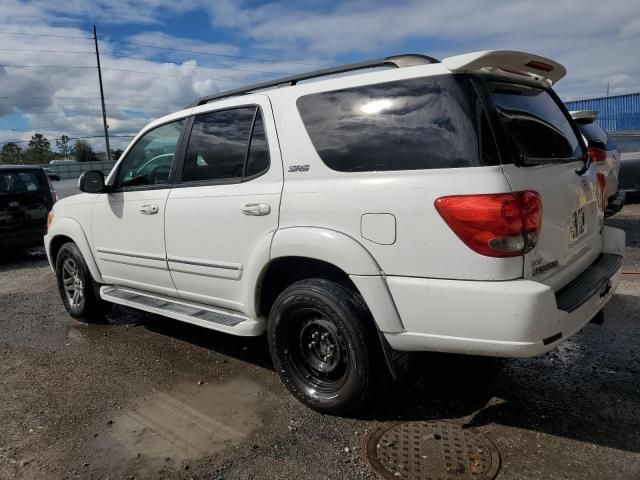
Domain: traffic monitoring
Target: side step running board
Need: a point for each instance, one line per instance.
(202, 315)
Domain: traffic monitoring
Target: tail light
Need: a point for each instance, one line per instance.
(602, 187)
(495, 225)
(597, 154)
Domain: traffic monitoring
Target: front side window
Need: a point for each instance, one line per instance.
(220, 146)
(420, 123)
(149, 161)
(535, 122)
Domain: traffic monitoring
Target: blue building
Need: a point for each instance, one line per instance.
(615, 114)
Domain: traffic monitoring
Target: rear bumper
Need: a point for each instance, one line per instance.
(517, 318)
(25, 239)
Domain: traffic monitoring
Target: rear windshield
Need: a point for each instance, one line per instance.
(592, 131)
(536, 123)
(17, 182)
(419, 123)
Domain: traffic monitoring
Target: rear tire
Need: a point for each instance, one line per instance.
(77, 289)
(324, 345)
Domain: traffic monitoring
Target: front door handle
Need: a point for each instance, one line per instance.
(149, 209)
(256, 209)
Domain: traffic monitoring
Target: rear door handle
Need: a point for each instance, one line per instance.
(256, 209)
(149, 209)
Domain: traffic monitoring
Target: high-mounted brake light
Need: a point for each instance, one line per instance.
(495, 225)
(602, 188)
(597, 154)
(544, 67)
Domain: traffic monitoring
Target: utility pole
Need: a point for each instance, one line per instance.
(104, 112)
(608, 88)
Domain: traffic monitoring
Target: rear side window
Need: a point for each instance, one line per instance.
(226, 145)
(413, 124)
(258, 159)
(20, 182)
(535, 122)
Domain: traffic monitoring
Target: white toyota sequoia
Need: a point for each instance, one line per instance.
(354, 214)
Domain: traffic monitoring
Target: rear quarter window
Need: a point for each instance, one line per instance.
(535, 122)
(593, 132)
(420, 123)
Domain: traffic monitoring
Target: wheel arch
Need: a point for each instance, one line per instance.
(305, 252)
(67, 229)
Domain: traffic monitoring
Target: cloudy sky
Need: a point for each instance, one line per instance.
(159, 55)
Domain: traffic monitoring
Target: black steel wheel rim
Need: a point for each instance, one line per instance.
(317, 350)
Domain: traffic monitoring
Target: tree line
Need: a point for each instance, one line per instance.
(39, 151)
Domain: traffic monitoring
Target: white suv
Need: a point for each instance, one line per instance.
(408, 205)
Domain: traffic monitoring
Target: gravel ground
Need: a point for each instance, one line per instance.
(147, 397)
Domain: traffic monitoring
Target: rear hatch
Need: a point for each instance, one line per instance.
(25, 201)
(541, 151)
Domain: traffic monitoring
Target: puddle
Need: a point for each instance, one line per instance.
(188, 421)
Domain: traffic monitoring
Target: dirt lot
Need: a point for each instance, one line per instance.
(147, 397)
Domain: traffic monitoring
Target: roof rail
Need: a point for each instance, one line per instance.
(396, 61)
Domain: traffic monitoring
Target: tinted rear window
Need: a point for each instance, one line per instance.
(411, 124)
(20, 182)
(593, 132)
(536, 123)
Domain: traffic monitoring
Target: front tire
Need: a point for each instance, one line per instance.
(324, 345)
(76, 287)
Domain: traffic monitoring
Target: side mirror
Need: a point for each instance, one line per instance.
(92, 182)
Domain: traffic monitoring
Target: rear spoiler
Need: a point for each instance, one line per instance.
(534, 67)
(584, 114)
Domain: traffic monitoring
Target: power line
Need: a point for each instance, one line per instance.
(44, 66)
(119, 70)
(43, 35)
(42, 51)
(131, 57)
(70, 138)
(240, 57)
(196, 52)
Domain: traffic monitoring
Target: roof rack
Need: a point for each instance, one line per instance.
(396, 61)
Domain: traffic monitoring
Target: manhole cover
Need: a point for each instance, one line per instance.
(431, 451)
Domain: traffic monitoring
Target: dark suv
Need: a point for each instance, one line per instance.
(26, 197)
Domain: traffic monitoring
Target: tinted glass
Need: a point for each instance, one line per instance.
(218, 145)
(592, 131)
(258, 159)
(406, 125)
(19, 182)
(149, 161)
(535, 122)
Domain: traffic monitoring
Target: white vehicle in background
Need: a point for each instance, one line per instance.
(354, 214)
(605, 154)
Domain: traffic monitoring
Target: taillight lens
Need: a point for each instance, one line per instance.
(50, 218)
(597, 154)
(602, 187)
(496, 225)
